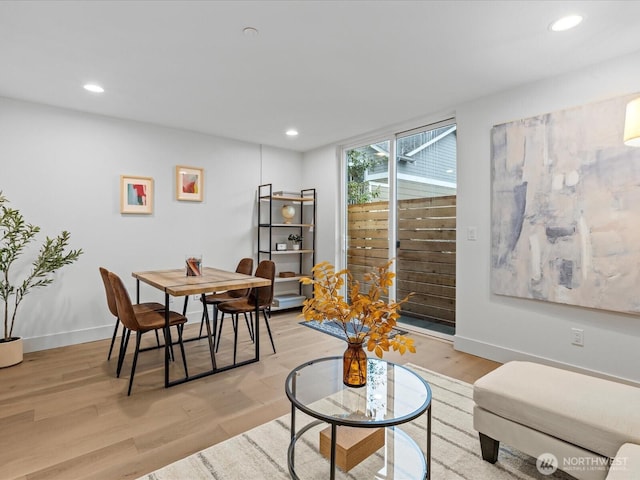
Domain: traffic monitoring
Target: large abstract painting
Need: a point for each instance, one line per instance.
(565, 220)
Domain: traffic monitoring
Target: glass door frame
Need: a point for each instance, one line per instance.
(392, 139)
(341, 261)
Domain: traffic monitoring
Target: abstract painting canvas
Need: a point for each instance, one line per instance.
(565, 216)
(189, 183)
(136, 194)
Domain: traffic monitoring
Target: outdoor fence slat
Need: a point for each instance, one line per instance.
(426, 259)
(447, 200)
(428, 245)
(430, 212)
(427, 289)
(416, 229)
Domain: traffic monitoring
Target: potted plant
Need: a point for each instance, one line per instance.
(16, 235)
(296, 241)
(366, 317)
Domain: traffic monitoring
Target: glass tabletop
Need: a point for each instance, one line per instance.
(393, 393)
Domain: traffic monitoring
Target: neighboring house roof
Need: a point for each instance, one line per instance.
(428, 157)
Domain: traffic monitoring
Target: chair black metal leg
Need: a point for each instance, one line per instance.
(135, 361)
(113, 338)
(184, 358)
(172, 356)
(215, 317)
(202, 320)
(124, 343)
(266, 320)
(211, 339)
(157, 339)
(249, 325)
(214, 322)
(235, 336)
(121, 353)
(219, 332)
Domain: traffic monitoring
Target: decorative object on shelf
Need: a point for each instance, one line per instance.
(194, 265)
(288, 212)
(16, 236)
(287, 274)
(367, 319)
(136, 194)
(281, 246)
(189, 183)
(288, 300)
(296, 241)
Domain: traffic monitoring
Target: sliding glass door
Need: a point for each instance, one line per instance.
(367, 210)
(405, 210)
(426, 226)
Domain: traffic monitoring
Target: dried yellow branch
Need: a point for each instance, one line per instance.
(369, 315)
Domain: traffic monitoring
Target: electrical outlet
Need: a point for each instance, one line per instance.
(577, 337)
(195, 298)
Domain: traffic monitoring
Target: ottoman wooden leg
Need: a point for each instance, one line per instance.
(489, 448)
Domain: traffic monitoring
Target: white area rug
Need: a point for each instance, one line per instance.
(261, 453)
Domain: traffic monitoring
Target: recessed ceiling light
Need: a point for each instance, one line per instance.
(566, 23)
(250, 31)
(92, 87)
(292, 132)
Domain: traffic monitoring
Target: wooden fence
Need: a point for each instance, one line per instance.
(426, 259)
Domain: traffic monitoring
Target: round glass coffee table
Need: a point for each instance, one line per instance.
(392, 396)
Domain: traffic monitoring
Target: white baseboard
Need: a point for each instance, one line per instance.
(45, 342)
(55, 340)
(501, 354)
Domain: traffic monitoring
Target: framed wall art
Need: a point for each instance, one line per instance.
(565, 221)
(189, 183)
(136, 194)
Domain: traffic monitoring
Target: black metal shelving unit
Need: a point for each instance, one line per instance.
(271, 232)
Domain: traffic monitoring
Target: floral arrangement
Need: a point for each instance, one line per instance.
(295, 238)
(370, 317)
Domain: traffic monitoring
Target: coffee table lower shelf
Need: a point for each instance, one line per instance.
(400, 456)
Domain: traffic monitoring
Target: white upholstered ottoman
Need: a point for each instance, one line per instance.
(582, 420)
(626, 464)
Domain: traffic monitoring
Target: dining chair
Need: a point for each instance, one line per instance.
(263, 296)
(111, 303)
(245, 266)
(142, 322)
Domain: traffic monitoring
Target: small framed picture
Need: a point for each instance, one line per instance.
(189, 183)
(136, 194)
(281, 246)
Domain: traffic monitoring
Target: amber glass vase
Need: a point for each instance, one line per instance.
(354, 364)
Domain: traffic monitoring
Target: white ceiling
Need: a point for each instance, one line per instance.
(331, 69)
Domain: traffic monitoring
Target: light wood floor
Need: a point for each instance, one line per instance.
(65, 415)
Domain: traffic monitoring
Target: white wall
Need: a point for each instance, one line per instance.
(504, 328)
(62, 170)
(321, 171)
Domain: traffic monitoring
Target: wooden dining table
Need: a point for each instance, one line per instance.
(176, 283)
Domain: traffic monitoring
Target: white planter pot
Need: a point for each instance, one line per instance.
(296, 246)
(11, 352)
